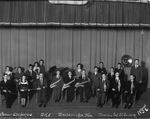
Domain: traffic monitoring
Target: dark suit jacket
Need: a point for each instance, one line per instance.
(8, 86)
(96, 79)
(30, 77)
(137, 72)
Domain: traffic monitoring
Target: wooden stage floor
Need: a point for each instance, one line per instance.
(78, 110)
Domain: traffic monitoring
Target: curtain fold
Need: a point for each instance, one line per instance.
(65, 47)
(100, 13)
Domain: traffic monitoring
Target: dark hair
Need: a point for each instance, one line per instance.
(5, 74)
(30, 65)
(101, 63)
(80, 65)
(41, 60)
(112, 68)
(136, 59)
(95, 67)
(119, 63)
(83, 70)
(8, 67)
(36, 63)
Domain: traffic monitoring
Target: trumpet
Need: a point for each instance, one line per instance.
(54, 84)
(67, 85)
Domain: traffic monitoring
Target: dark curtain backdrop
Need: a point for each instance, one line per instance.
(65, 47)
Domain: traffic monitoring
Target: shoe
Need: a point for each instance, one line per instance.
(44, 105)
(125, 106)
(40, 105)
(112, 105)
(101, 105)
(117, 106)
(98, 105)
(129, 107)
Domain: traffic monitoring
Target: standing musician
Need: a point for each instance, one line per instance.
(101, 68)
(111, 78)
(31, 78)
(96, 78)
(57, 84)
(23, 90)
(18, 76)
(8, 71)
(36, 69)
(102, 90)
(129, 91)
(121, 72)
(40, 85)
(116, 91)
(7, 90)
(42, 66)
(69, 86)
(136, 70)
(78, 73)
(82, 84)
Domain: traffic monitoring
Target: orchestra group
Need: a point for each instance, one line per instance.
(77, 84)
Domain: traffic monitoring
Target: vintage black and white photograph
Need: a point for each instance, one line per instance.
(72, 59)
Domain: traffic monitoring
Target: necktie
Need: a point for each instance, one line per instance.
(132, 86)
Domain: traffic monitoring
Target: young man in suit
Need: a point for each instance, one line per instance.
(136, 70)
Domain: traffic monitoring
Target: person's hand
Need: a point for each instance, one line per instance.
(140, 81)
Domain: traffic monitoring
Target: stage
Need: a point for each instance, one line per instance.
(77, 110)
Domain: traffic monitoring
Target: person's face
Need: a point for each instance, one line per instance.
(19, 69)
(36, 64)
(83, 72)
(95, 69)
(41, 62)
(79, 67)
(58, 72)
(111, 70)
(101, 64)
(30, 67)
(119, 66)
(23, 78)
(136, 62)
(5, 76)
(7, 68)
(103, 76)
(117, 74)
(41, 75)
(69, 73)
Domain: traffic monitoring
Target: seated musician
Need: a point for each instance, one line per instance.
(8, 71)
(57, 84)
(102, 90)
(82, 84)
(116, 91)
(129, 91)
(18, 76)
(69, 86)
(40, 85)
(95, 77)
(6, 90)
(23, 90)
